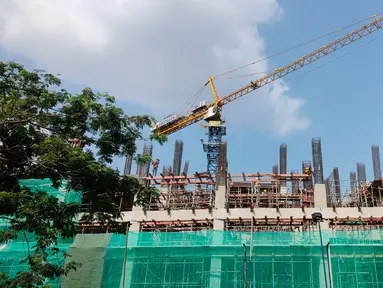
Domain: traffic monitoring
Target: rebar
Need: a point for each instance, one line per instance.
(186, 167)
(376, 161)
(275, 169)
(178, 149)
(329, 185)
(361, 173)
(140, 165)
(128, 165)
(167, 170)
(222, 164)
(148, 150)
(353, 183)
(283, 161)
(317, 160)
(337, 189)
(294, 183)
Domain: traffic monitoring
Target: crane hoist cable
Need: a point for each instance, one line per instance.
(187, 106)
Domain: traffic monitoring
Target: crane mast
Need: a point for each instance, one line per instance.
(212, 113)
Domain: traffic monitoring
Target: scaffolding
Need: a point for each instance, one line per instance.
(268, 193)
(370, 195)
(176, 226)
(269, 225)
(242, 191)
(179, 197)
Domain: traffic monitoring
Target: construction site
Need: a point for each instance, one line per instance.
(214, 228)
(296, 229)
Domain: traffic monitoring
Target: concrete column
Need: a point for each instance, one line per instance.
(216, 261)
(320, 200)
(220, 197)
(133, 238)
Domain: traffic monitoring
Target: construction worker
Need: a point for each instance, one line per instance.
(307, 170)
(155, 163)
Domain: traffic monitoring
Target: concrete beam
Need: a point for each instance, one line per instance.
(257, 213)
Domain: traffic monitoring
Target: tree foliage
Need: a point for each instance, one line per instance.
(37, 121)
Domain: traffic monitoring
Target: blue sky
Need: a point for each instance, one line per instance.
(341, 100)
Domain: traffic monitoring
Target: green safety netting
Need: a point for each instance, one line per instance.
(216, 259)
(210, 258)
(63, 193)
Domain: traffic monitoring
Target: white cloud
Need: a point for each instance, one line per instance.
(154, 53)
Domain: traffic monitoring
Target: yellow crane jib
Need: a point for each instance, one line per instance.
(210, 111)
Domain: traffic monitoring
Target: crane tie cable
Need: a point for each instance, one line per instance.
(299, 45)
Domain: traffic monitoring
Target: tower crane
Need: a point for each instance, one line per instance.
(212, 112)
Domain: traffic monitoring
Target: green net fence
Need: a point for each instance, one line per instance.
(211, 258)
(62, 193)
(216, 259)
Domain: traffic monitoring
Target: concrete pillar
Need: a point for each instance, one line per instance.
(320, 200)
(220, 197)
(132, 242)
(218, 225)
(325, 239)
(216, 261)
(136, 207)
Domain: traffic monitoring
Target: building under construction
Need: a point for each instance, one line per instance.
(214, 228)
(251, 229)
(254, 229)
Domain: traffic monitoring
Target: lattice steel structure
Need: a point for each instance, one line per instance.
(216, 130)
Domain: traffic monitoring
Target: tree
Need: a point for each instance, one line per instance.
(37, 122)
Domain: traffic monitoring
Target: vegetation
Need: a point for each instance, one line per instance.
(37, 119)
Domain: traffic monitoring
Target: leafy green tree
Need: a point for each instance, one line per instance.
(38, 122)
